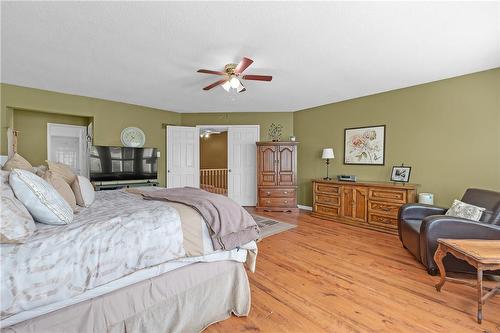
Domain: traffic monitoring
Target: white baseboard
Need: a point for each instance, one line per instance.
(305, 207)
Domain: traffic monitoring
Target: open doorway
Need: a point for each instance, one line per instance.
(213, 160)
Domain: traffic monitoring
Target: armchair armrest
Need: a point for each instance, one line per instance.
(416, 211)
(442, 226)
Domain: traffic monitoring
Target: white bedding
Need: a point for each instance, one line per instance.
(119, 240)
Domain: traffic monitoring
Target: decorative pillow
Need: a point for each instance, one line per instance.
(465, 210)
(40, 198)
(17, 162)
(84, 191)
(40, 170)
(16, 225)
(61, 187)
(5, 188)
(62, 170)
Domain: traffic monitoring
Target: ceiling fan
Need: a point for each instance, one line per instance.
(232, 74)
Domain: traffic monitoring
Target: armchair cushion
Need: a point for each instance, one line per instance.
(441, 226)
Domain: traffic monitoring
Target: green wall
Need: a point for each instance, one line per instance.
(264, 119)
(109, 117)
(213, 151)
(32, 127)
(448, 131)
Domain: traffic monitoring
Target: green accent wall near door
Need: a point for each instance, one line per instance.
(109, 117)
(448, 130)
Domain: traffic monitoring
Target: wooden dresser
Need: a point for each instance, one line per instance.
(372, 205)
(277, 176)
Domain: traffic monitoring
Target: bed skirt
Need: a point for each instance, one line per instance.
(187, 299)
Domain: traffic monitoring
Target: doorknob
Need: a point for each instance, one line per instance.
(229, 170)
(168, 171)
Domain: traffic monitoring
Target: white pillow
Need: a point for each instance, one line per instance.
(84, 191)
(40, 198)
(465, 210)
(16, 225)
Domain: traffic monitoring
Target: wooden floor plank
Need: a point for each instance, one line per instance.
(328, 277)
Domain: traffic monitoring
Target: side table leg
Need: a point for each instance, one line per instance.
(438, 258)
(479, 295)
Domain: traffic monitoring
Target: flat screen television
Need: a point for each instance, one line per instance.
(123, 163)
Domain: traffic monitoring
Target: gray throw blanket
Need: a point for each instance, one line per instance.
(230, 224)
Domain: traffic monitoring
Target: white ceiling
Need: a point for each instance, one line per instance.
(147, 53)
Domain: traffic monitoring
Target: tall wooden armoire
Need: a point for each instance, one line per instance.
(277, 176)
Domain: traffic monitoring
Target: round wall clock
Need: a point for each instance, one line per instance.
(133, 137)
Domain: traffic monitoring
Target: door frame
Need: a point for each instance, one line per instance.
(84, 144)
(200, 127)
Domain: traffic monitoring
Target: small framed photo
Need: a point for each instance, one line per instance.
(400, 174)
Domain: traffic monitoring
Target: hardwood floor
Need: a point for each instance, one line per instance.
(328, 277)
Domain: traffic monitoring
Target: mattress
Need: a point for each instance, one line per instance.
(185, 300)
(155, 263)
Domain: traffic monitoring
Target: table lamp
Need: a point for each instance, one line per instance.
(327, 155)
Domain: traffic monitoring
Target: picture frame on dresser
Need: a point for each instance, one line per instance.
(364, 145)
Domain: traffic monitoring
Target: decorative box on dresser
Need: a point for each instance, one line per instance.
(277, 176)
(372, 205)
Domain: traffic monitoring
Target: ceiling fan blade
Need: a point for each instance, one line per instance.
(244, 63)
(206, 71)
(215, 84)
(257, 77)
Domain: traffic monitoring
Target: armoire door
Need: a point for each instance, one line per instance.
(286, 166)
(267, 160)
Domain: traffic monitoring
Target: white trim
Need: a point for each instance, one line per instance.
(305, 207)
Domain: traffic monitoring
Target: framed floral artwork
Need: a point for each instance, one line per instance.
(364, 145)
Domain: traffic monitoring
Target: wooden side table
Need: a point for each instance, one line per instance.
(482, 254)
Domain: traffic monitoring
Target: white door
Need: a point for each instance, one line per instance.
(183, 156)
(67, 144)
(242, 161)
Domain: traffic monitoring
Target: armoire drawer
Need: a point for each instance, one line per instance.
(327, 188)
(331, 200)
(389, 195)
(278, 202)
(277, 193)
(327, 210)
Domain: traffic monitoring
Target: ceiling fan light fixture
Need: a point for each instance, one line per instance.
(235, 83)
(226, 86)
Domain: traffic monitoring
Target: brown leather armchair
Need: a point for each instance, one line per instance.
(421, 225)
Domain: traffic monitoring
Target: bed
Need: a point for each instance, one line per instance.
(124, 265)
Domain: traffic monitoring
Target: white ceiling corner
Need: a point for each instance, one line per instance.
(147, 53)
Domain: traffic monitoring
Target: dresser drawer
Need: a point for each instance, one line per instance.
(383, 208)
(383, 220)
(398, 196)
(278, 202)
(277, 193)
(326, 188)
(327, 210)
(332, 200)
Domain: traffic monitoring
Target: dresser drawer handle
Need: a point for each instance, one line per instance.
(268, 201)
(286, 201)
(285, 192)
(268, 193)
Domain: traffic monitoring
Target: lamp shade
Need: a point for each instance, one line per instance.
(327, 153)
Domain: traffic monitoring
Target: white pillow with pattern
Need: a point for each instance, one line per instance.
(16, 224)
(40, 198)
(465, 210)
